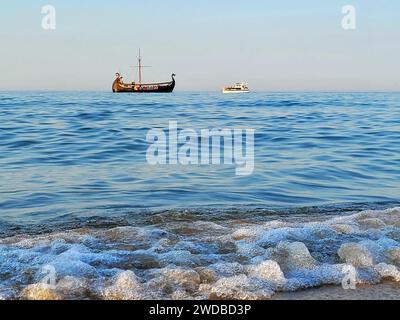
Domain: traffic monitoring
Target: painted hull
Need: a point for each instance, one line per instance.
(163, 87)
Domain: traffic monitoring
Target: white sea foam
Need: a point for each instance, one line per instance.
(267, 270)
(230, 259)
(239, 287)
(355, 254)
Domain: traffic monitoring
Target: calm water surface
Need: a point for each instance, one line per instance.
(85, 153)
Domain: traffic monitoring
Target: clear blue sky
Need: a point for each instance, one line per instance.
(274, 45)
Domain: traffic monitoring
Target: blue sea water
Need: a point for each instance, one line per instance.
(78, 195)
(84, 153)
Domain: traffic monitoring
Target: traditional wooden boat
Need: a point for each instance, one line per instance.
(161, 87)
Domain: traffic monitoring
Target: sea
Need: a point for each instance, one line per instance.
(84, 215)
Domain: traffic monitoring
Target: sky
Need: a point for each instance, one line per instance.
(285, 45)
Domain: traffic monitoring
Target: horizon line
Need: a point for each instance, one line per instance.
(205, 91)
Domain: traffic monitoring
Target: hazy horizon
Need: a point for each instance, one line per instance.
(275, 47)
(218, 90)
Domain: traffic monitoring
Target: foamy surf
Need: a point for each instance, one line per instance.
(202, 259)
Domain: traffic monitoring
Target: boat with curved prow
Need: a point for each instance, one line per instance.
(162, 87)
(139, 87)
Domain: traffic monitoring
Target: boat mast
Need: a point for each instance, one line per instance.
(140, 68)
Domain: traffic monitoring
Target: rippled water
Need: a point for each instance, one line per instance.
(76, 192)
(74, 153)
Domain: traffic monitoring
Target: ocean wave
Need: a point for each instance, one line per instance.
(197, 257)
